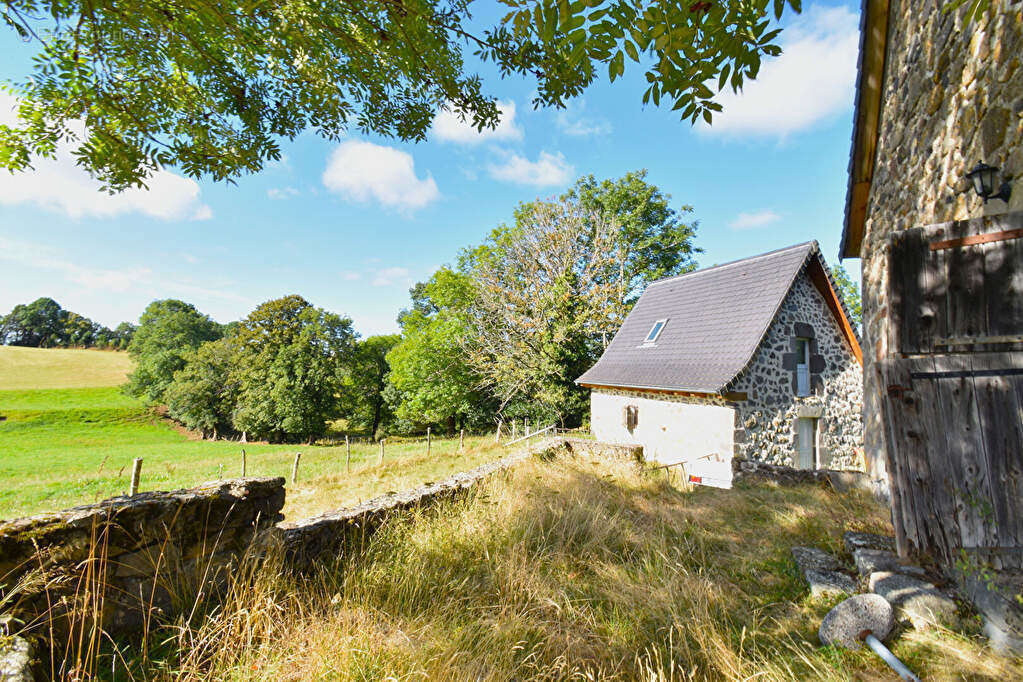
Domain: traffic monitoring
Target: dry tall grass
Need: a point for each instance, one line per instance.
(556, 571)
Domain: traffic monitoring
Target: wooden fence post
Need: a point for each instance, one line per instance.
(429, 441)
(461, 440)
(381, 451)
(525, 426)
(220, 472)
(244, 463)
(136, 474)
(294, 467)
(497, 436)
(515, 428)
(348, 455)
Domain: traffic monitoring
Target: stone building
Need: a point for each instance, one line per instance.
(935, 95)
(754, 358)
(941, 242)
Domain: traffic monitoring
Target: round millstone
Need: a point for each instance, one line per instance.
(844, 623)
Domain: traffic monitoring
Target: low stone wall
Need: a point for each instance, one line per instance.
(109, 565)
(334, 533)
(746, 469)
(593, 448)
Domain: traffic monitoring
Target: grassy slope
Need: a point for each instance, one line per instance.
(562, 570)
(36, 368)
(69, 445)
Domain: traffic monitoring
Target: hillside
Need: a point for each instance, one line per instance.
(68, 436)
(38, 368)
(562, 569)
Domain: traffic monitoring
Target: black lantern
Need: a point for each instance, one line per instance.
(984, 178)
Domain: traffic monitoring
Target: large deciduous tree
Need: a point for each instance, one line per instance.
(211, 88)
(849, 290)
(366, 406)
(295, 359)
(431, 380)
(168, 331)
(204, 393)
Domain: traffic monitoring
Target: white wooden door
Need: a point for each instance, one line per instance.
(807, 444)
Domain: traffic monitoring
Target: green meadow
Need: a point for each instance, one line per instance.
(71, 444)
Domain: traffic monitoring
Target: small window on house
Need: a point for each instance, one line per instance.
(655, 331)
(802, 367)
(806, 437)
(631, 417)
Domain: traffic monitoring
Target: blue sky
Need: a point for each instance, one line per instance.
(351, 225)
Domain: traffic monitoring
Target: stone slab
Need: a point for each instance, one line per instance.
(921, 602)
(16, 660)
(999, 600)
(829, 583)
(844, 623)
(855, 541)
(811, 558)
(879, 560)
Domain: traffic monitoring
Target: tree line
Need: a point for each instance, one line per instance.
(44, 324)
(500, 334)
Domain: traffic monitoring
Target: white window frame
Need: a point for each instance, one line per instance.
(803, 368)
(650, 341)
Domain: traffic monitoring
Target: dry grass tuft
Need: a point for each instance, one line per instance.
(562, 570)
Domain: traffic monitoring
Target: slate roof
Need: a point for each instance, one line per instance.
(717, 318)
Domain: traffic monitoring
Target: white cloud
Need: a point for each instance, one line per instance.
(449, 127)
(548, 169)
(749, 221)
(571, 121)
(60, 184)
(282, 192)
(389, 276)
(813, 79)
(362, 171)
(42, 257)
(350, 276)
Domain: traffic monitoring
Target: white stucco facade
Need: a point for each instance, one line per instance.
(671, 429)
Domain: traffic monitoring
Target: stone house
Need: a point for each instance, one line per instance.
(942, 267)
(754, 358)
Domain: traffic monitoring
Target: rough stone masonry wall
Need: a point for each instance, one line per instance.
(952, 96)
(766, 421)
(125, 557)
(129, 557)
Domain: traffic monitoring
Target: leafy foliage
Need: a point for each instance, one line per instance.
(529, 310)
(366, 405)
(850, 293)
(211, 88)
(168, 331)
(44, 324)
(204, 392)
(431, 380)
(293, 363)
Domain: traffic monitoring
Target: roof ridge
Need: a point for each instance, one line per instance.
(749, 259)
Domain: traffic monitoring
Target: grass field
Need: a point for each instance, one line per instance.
(37, 368)
(560, 570)
(71, 444)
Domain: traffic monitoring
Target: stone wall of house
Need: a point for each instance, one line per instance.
(952, 96)
(766, 422)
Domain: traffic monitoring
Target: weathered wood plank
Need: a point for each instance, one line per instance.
(891, 380)
(967, 308)
(1003, 287)
(964, 470)
(906, 258)
(1000, 409)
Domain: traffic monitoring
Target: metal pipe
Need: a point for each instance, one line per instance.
(888, 657)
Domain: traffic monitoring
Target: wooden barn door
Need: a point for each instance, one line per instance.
(953, 403)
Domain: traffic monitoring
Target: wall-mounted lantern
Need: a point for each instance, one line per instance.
(984, 178)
